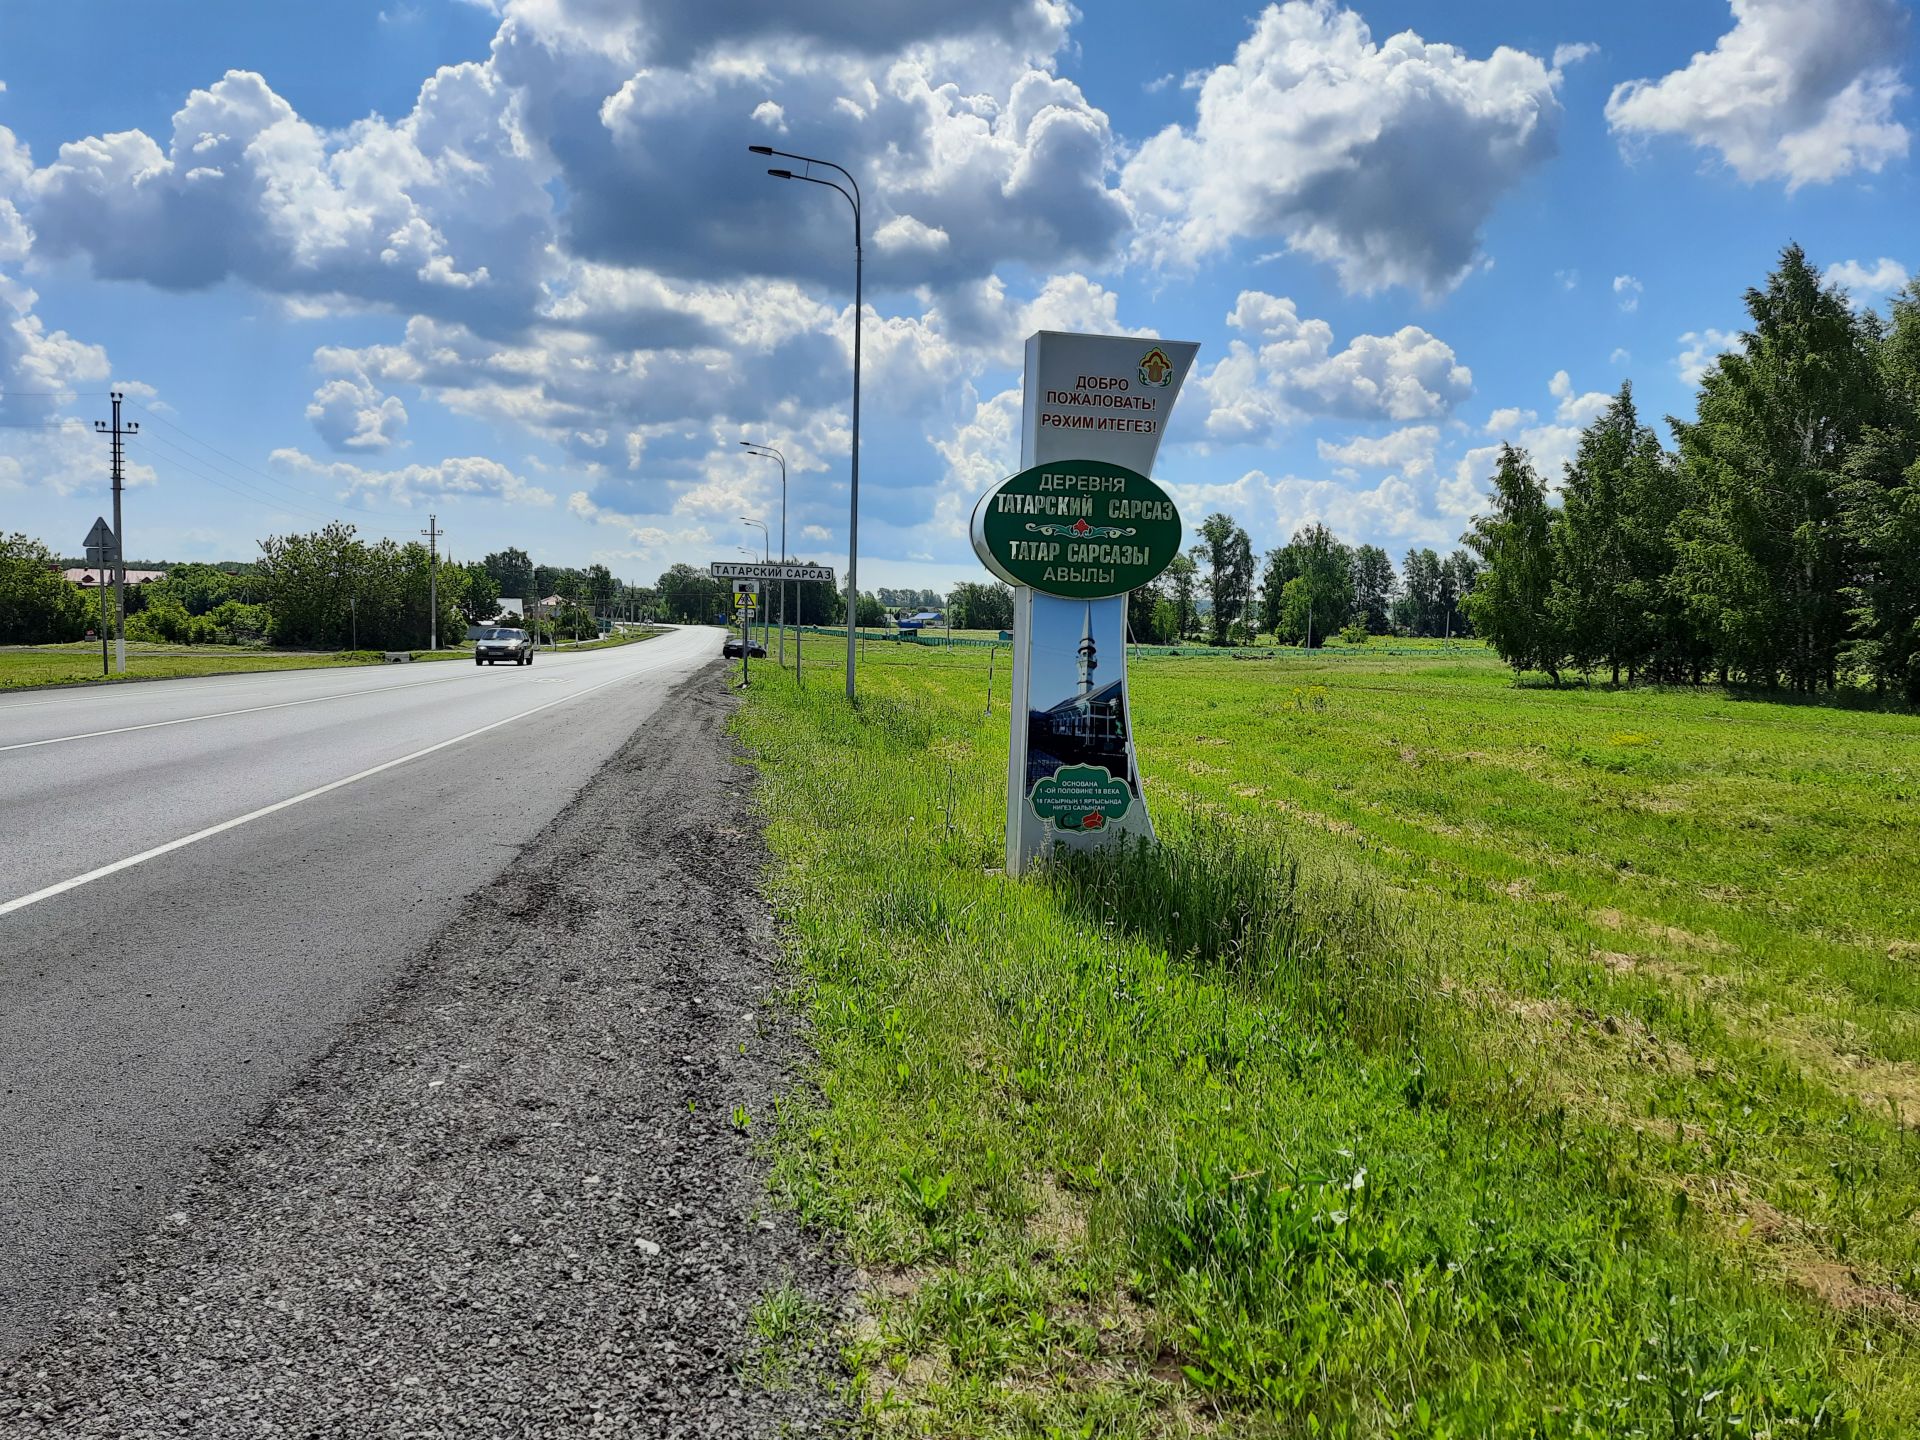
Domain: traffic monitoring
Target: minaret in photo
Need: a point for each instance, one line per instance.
(1089, 659)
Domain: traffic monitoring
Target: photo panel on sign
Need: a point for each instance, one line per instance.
(1076, 691)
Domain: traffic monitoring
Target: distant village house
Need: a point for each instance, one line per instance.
(90, 578)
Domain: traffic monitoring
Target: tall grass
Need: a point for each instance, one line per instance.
(1216, 1134)
(1230, 899)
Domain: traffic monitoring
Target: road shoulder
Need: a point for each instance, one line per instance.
(519, 1197)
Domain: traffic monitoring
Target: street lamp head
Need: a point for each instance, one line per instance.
(760, 149)
(781, 174)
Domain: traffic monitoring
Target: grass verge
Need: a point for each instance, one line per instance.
(48, 665)
(1374, 1101)
(631, 637)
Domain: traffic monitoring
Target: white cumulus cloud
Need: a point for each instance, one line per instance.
(351, 414)
(1883, 277)
(1699, 349)
(1799, 90)
(1410, 451)
(472, 477)
(1289, 369)
(1381, 159)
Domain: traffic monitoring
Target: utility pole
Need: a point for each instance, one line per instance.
(118, 432)
(433, 532)
(101, 571)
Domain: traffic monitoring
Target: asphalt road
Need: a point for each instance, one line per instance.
(203, 881)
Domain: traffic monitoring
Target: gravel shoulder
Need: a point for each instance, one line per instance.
(513, 1200)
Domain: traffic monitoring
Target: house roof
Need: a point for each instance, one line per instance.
(1107, 694)
(92, 577)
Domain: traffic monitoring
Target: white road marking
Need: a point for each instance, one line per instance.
(226, 714)
(225, 825)
(175, 686)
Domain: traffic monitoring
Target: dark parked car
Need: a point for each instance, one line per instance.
(498, 645)
(731, 650)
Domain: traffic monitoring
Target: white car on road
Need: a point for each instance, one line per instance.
(498, 645)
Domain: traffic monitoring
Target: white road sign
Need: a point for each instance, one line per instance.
(749, 570)
(99, 542)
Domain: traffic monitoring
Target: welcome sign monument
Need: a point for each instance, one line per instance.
(1079, 527)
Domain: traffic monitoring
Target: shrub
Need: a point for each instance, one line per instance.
(237, 623)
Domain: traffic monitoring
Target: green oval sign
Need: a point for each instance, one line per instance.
(1082, 529)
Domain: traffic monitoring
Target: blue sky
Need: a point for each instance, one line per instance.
(510, 264)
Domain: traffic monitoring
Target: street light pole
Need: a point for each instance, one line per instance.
(766, 540)
(766, 558)
(852, 196)
(772, 454)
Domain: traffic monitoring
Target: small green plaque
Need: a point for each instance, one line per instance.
(1082, 529)
(1081, 797)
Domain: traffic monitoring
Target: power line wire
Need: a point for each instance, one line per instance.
(255, 470)
(252, 491)
(189, 464)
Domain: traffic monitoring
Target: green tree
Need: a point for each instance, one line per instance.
(1182, 581)
(1880, 509)
(562, 580)
(1143, 613)
(1764, 557)
(1600, 605)
(1373, 587)
(601, 589)
(1613, 550)
(871, 613)
(816, 602)
(1509, 605)
(1421, 606)
(512, 572)
(1318, 600)
(1460, 573)
(974, 606)
(1281, 568)
(692, 597)
(1229, 558)
(322, 585)
(480, 597)
(198, 589)
(38, 605)
(307, 580)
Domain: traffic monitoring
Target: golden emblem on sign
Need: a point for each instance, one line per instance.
(1156, 369)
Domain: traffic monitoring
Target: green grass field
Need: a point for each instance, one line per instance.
(1469, 1060)
(38, 665)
